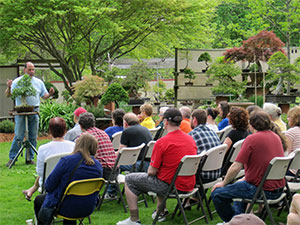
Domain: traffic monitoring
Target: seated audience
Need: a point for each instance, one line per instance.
(257, 151)
(167, 153)
(57, 129)
(205, 139)
(274, 113)
(223, 108)
(134, 135)
(75, 132)
(58, 180)
(294, 216)
(185, 125)
(145, 116)
(160, 122)
(117, 121)
(211, 116)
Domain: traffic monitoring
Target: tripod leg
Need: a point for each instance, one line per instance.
(18, 154)
(33, 148)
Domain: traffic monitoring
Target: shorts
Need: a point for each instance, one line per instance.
(140, 183)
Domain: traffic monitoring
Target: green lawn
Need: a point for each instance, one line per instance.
(14, 209)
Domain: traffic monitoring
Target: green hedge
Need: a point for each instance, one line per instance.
(7, 126)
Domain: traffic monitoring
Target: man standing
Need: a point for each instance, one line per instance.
(33, 120)
(134, 135)
(257, 151)
(205, 139)
(185, 125)
(75, 132)
(166, 156)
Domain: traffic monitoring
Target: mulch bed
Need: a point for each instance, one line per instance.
(4, 137)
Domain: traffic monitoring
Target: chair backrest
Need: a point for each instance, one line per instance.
(189, 165)
(236, 149)
(150, 147)
(214, 158)
(84, 187)
(116, 139)
(129, 155)
(295, 164)
(224, 132)
(50, 164)
(164, 132)
(278, 167)
(154, 131)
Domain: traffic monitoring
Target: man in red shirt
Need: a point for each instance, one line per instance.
(166, 156)
(256, 153)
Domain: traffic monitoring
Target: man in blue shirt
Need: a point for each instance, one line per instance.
(117, 121)
(33, 120)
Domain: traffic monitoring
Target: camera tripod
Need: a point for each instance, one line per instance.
(26, 144)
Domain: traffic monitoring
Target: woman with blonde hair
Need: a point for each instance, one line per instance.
(80, 165)
(293, 134)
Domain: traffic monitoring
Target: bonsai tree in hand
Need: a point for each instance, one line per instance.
(24, 89)
(115, 93)
(205, 57)
(280, 71)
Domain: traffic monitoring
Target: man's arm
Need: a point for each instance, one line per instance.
(152, 171)
(8, 89)
(233, 170)
(47, 95)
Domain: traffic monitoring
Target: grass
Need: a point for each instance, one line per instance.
(16, 210)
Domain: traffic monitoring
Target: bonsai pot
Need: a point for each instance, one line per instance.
(204, 71)
(156, 103)
(188, 83)
(24, 108)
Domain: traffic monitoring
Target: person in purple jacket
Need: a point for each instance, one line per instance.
(58, 180)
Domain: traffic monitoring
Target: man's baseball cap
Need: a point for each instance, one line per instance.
(78, 111)
(246, 219)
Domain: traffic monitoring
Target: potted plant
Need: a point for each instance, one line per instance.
(189, 74)
(89, 89)
(24, 89)
(170, 96)
(114, 93)
(279, 73)
(159, 90)
(224, 72)
(205, 57)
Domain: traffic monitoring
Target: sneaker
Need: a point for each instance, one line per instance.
(223, 223)
(8, 163)
(128, 221)
(108, 196)
(161, 217)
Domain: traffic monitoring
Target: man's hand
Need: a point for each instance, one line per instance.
(51, 91)
(8, 83)
(217, 185)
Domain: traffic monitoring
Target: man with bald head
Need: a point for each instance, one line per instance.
(185, 125)
(33, 120)
(134, 135)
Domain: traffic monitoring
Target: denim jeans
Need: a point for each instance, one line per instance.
(222, 198)
(33, 124)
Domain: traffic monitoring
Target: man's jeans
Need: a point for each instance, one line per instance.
(33, 125)
(222, 198)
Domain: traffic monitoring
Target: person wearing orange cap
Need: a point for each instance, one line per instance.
(75, 132)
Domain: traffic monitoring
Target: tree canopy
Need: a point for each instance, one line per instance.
(92, 33)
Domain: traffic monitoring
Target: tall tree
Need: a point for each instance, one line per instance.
(81, 33)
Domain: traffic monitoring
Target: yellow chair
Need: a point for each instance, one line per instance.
(81, 188)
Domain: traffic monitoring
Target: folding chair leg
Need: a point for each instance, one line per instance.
(121, 197)
(90, 221)
(102, 198)
(202, 206)
(160, 209)
(208, 208)
(181, 209)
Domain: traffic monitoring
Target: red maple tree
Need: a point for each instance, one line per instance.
(257, 48)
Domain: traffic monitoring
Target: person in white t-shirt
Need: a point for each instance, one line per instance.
(57, 128)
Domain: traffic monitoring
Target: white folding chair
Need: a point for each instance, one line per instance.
(154, 131)
(187, 167)
(49, 165)
(233, 152)
(126, 156)
(276, 170)
(224, 132)
(116, 139)
(294, 182)
(213, 160)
